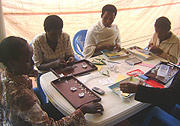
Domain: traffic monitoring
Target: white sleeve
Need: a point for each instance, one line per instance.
(89, 45)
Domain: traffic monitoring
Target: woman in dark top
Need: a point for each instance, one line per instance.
(166, 98)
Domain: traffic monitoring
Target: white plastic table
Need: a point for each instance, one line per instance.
(116, 108)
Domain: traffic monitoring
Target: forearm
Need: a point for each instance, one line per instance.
(75, 119)
(46, 66)
(109, 47)
(156, 96)
(99, 48)
(169, 57)
(68, 56)
(37, 117)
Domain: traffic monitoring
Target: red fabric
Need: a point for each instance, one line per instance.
(154, 83)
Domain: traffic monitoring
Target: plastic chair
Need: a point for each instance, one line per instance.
(176, 112)
(78, 42)
(39, 92)
(163, 116)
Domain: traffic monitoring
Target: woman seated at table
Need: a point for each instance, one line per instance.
(166, 98)
(103, 35)
(18, 102)
(164, 43)
(53, 47)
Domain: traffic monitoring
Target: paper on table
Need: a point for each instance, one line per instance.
(99, 67)
(120, 77)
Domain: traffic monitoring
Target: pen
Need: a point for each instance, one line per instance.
(113, 62)
(102, 61)
(98, 64)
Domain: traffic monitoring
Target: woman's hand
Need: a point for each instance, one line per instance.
(92, 108)
(62, 63)
(156, 50)
(150, 45)
(112, 47)
(117, 48)
(109, 47)
(70, 61)
(128, 87)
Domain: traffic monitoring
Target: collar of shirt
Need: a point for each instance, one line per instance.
(168, 41)
(19, 79)
(101, 24)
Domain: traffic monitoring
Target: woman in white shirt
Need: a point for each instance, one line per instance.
(103, 35)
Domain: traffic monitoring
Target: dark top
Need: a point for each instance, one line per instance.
(165, 98)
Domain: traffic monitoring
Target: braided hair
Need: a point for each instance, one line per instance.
(10, 49)
(109, 8)
(53, 22)
(163, 23)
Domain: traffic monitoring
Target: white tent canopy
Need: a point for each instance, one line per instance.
(135, 18)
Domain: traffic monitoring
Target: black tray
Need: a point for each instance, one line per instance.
(171, 72)
(64, 86)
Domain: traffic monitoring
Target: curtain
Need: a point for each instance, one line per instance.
(135, 18)
(2, 28)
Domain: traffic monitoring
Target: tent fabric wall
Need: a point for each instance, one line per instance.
(135, 18)
(2, 28)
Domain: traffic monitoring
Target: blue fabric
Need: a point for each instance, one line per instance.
(42, 98)
(78, 42)
(176, 112)
(77, 58)
(38, 90)
(162, 116)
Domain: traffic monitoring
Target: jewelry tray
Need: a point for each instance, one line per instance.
(76, 68)
(116, 87)
(114, 55)
(142, 53)
(64, 86)
(133, 61)
(168, 74)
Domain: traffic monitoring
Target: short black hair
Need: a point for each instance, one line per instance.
(53, 22)
(109, 8)
(163, 23)
(10, 49)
